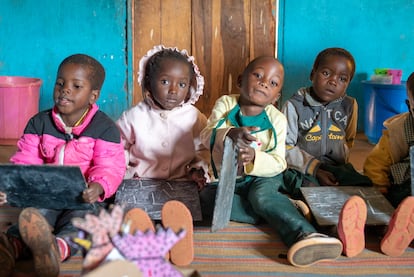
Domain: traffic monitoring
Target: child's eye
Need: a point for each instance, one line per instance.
(59, 84)
(183, 85)
(77, 86)
(274, 84)
(343, 79)
(164, 82)
(325, 73)
(257, 75)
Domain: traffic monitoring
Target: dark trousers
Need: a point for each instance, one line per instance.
(262, 198)
(60, 220)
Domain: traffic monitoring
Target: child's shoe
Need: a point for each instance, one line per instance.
(400, 231)
(176, 216)
(314, 248)
(36, 233)
(351, 226)
(7, 257)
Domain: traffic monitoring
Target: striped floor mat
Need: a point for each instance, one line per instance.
(246, 250)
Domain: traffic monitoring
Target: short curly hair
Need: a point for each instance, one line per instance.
(97, 71)
(334, 51)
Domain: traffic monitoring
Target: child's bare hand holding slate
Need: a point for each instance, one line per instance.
(243, 140)
(92, 193)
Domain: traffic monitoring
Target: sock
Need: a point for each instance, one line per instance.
(64, 249)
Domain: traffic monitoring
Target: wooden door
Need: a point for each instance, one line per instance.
(223, 36)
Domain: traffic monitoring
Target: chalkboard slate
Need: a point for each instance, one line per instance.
(326, 203)
(43, 186)
(226, 186)
(150, 195)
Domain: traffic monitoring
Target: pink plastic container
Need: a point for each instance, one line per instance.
(19, 101)
(396, 76)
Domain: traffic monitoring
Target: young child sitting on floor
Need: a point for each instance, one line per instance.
(74, 132)
(258, 130)
(161, 134)
(388, 166)
(322, 125)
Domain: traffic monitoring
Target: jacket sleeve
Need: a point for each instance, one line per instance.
(351, 128)
(202, 159)
(108, 166)
(296, 157)
(28, 147)
(127, 135)
(219, 111)
(378, 163)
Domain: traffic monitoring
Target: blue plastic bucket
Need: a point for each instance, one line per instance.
(381, 102)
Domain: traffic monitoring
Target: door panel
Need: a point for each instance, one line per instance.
(223, 36)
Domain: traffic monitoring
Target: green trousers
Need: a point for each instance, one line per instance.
(258, 198)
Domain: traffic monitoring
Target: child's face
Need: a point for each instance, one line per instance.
(73, 92)
(171, 84)
(410, 103)
(331, 79)
(262, 83)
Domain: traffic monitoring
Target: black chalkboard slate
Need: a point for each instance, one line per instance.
(43, 186)
(326, 203)
(225, 187)
(150, 195)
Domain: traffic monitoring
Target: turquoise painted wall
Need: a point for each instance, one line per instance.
(377, 33)
(36, 35)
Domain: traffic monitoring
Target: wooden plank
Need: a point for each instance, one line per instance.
(176, 23)
(225, 188)
(326, 203)
(151, 195)
(146, 34)
(202, 45)
(235, 32)
(262, 28)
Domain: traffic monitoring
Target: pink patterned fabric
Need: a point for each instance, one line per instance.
(147, 250)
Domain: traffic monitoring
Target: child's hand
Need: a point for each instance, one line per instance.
(326, 178)
(197, 175)
(241, 136)
(243, 140)
(3, 198)
(92, 193)
(246, 155)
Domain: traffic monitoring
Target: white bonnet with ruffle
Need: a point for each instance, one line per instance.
(195, 90)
